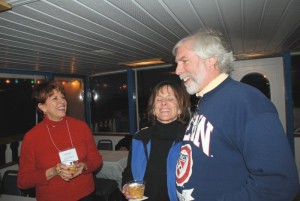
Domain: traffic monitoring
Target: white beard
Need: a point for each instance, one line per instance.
(192, 86)
(191, 89)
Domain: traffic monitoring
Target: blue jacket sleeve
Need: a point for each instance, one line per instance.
(171, 173)
(139, 160)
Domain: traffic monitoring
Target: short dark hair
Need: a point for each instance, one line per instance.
(44, 90)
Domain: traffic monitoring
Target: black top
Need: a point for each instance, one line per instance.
(162, 137)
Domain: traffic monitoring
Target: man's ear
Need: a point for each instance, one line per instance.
(211, 62)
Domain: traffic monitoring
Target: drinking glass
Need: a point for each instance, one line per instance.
(136, 188)
(71, 166)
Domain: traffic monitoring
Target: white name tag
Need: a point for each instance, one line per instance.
(68, 155)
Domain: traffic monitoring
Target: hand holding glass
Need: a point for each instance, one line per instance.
(136, 188)
(71, 166)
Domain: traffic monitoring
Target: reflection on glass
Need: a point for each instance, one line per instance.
(109, 104)
(74, 88)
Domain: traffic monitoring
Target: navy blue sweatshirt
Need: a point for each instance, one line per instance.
(235, 149)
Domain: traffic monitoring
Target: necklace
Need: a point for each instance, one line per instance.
(53, 140)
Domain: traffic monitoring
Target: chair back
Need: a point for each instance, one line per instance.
(9, 183)
(105, 145)
(106, 189)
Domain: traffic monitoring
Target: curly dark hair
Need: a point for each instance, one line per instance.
(44, 90)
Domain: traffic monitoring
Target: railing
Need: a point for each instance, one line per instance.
(10, 150)
(110, 134)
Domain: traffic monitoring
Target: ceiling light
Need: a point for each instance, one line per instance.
(4, 6)
(256, 54)
(143, 62)
(103, 52)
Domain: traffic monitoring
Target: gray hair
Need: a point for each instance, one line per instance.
(207, 44)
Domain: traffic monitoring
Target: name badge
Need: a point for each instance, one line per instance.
(68, 155)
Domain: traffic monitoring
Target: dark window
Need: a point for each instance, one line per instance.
(295, 63)
(109, 106)
(258, 81)
(16, 105)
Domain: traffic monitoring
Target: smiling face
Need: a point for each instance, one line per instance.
(55, 106)
(166, 107)
(195, 72)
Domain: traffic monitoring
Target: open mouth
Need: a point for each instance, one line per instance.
(165, 110)
(185, 79)
(62, 108)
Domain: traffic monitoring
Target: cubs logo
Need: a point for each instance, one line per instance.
(184, 165)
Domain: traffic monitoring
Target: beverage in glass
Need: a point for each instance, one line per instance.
(136, 188)
(71, 166)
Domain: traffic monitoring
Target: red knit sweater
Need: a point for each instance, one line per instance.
(38, 153)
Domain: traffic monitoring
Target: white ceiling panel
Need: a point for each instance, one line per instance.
(95, 36)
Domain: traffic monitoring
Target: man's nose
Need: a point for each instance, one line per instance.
(179, 69)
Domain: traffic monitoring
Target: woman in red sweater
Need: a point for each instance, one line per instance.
(51, 145)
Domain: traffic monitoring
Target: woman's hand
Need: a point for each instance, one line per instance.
(80, 169)
(63, 171)
(60, 170)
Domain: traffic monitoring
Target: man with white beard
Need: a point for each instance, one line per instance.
(234, 148)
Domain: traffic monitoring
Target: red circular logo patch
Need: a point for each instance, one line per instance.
(184, 165)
